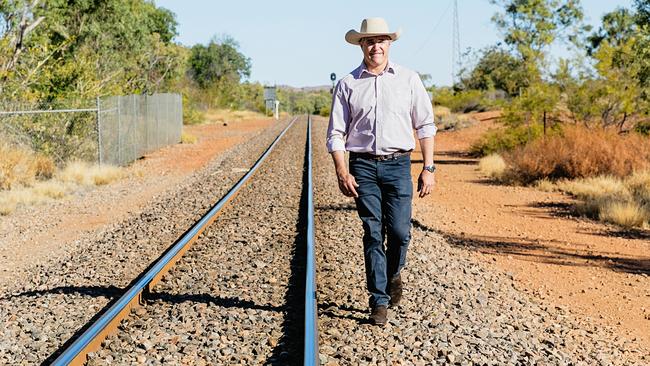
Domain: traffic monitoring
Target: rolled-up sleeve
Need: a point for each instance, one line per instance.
(339, 120)
(421, 110)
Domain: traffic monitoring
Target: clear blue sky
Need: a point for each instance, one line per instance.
(300, 43)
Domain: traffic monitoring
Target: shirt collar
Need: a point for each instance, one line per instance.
(390, 67)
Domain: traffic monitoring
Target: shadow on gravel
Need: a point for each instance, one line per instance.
(455, 154)
(535, 251)
(110, 292)
(333, 310)
(556, 209)
(486, 182)
(341, 207)
(225, 302)
(450, 162)
(290, 347)
(625, 234)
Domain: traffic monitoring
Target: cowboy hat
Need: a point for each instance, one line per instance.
(371, 27)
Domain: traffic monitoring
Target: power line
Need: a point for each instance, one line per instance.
(434, 29)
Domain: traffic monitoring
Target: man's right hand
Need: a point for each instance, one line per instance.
(348, 185)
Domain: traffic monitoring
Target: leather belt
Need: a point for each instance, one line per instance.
(369, 156)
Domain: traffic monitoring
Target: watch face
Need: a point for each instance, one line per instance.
(430, 168)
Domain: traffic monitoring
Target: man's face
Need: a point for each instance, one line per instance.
(375, 50)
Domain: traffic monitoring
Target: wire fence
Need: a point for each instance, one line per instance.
(134, 125)
(112, 130)
(62, 130)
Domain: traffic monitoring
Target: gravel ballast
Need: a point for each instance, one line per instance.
(44, 307)
(235, 295)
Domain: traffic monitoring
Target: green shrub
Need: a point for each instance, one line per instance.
(506, 139)
(643, 128)
(324, 111)
(465, 101)
(191, 114)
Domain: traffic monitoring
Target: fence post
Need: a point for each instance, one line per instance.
(179, 103)
(119, 135)
(135, 144)
(99, 133)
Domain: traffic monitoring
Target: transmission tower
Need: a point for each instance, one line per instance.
(455, 53)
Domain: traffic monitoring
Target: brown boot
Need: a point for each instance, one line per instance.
(395, 290)
(379, 315)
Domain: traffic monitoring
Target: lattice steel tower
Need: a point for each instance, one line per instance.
(455, 53)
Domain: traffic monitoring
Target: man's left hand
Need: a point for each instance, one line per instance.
(426, 181)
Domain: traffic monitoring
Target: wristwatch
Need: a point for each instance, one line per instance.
(429, 168)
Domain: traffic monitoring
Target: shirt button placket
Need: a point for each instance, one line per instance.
(378, 114)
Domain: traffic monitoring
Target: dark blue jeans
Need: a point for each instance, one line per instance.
(384, 206)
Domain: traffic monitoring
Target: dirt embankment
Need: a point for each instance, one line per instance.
(593, 269)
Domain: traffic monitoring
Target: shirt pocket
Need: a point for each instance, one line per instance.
(399, 100)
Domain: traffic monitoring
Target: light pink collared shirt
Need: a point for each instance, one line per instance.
(377, 113)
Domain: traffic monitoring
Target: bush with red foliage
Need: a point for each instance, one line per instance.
(579, 152)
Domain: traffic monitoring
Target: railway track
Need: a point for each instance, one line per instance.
(240, 295)
(250, 261)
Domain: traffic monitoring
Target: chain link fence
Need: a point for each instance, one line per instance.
(112, 130)
(134, 125)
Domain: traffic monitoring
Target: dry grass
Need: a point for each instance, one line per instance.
(7, 207)
(639, 186)
(227, 115)
(493, 166)
(73, 175)
(441, 112)
(51, 189)
(579, 153)
(22, 167)
(625, 214)
(187, 138)
(454, 121)
(83, 173)
(624, 202)
(38, 193)
(546, 185)
(595, 188)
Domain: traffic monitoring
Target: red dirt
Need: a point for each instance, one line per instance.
(596, 270)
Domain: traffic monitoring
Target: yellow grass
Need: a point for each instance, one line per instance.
(52, 189)
(7, 206)
(23, 177)
(83, 173)
(38, 193)
(45, 167)
(639, 185)
(493, 166)
(187, 138)
(18, 166)
(595, 188)
(624, 202)
(441, 112)
(546, 185)
(625, 214)
(227, 115)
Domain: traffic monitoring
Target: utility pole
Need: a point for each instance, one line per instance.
(455, 53)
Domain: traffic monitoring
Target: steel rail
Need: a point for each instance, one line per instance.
(91, 339)
(311, 311)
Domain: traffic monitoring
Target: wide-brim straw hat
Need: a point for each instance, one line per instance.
(371, 27)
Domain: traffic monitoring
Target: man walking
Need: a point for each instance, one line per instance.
(374, 111)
